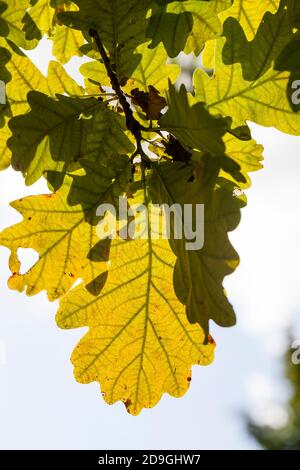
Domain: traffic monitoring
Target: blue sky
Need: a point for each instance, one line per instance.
(43, 407)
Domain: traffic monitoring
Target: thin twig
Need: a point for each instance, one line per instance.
(131, 123)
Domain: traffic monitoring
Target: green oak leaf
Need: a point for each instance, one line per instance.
(5, 57)
(14, 23)
(197, 129)
(262, 100)
(57, 133)
(17, 87)
(121, 25)
(274, 33)
(185, 25)
(193, 125)
(289, 59)
(199, 273)
(4, 30)
(249, 13)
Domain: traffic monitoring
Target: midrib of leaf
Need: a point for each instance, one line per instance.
(116, 336)
(242, 11)
(144, 307)
(149, 283)
(116, 20)
(202, 20)
(64, 121)
(252, 86)
(19, 72)
(45, 8)
(166, 355)
(141, 355)
(95, 299)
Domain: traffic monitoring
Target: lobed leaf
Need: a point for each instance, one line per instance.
(56, 134)
(185, 25)
(193, 125)
(13, 23)
(199, 272)
(121, 25)
(139, 344)
(61, 227)
(16, 92)
(250, 13)
(264, 102)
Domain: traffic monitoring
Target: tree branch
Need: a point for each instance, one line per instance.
(131, 123)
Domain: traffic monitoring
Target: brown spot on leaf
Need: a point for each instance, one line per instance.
(210, 340)
(127, 403)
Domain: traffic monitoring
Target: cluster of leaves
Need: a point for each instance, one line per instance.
(130, 131)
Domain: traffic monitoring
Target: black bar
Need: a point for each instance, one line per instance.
(134, 458)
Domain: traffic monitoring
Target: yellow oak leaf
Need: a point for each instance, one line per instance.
(61, 228)
(140, 343)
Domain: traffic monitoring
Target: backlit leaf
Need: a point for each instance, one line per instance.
(248, 154)
(185, 25)
(139, 344)
(199, 272)
(260, 95)
(249, 13)
(42, 13)
(66, 41)
(13, 15)
(16, 93)
(61, 227)
(193, 125)
(54, 135)
(121, 26)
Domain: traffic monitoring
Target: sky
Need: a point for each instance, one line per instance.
(42, 406)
